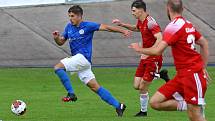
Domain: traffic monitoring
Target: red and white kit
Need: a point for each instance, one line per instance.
(152, 64)
(190, 80)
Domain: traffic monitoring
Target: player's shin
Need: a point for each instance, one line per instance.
(61, 73)
(107, 97)
(144, 98)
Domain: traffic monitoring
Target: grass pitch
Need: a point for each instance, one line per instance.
(42, 91)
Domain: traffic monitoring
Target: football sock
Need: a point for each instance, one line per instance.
(144, 102)
(61, 73)
(182, 105)
(107, 97)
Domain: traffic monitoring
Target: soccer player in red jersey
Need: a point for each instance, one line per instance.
(149, 65)
(191, 78)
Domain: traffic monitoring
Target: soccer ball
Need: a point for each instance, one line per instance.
(18, 107)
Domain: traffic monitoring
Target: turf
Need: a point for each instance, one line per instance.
(42, 92)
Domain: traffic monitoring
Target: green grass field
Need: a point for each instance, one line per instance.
(42, 92)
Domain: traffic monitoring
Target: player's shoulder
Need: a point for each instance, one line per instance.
(175, 25)
(68, 26)
(151, 22)
(150, 19)
(89, 22)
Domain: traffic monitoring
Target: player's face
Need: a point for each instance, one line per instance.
(74, 18)
(137, 12)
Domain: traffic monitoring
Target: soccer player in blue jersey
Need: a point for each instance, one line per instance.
(79, 33)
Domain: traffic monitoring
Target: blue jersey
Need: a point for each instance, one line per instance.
(80, 38)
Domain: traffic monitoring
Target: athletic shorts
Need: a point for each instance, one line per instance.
(78, 63)
(147, 69)
(191, 85)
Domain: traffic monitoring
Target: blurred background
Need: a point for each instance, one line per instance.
(26, 27)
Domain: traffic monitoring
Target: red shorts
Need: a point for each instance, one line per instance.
(191, 85)
(146, 69)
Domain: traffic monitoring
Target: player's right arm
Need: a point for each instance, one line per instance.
(125, 25)
(58, 39)
(203, 43)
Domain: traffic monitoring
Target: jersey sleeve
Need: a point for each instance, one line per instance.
(153, 26)
(65, 32)
(93, 26)
(169, 34)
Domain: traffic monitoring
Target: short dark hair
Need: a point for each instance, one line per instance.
(139, 4)
(76, 9)
(175, 5)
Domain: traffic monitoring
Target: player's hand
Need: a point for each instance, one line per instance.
(117, 22)
(127, 33)
(135, 46)
(56, 34)
(207, 76)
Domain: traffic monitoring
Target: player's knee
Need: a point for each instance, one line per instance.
(93, 85)
(136, 87)
(155, 105)
(58, 66)
(94, 88)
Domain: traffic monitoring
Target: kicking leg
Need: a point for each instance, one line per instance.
(61, 73)
(88, 78)
(106, 96)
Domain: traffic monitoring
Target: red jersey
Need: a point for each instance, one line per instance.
(148, 28)
(181, 36)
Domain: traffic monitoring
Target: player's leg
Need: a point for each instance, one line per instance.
(60, 71)
(196, 112)
(195, 90)
(159, 102)
(139, 74)
(144, 98)
(164, 100)
(149, 68)
(163, 74)
(87, 77)
(137, 81)
(71, 64)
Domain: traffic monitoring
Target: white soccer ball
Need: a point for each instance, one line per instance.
(18, 107)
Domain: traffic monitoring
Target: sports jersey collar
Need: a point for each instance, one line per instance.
(176, 18)
(80, 25)
(144, 19)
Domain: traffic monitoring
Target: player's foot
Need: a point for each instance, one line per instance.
(164, 75)
(141, 114)
(120, 110)
(70, 97)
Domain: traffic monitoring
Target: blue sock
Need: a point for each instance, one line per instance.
(61, 73)
(107, 97)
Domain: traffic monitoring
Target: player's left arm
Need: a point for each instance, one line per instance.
(104, 27)
(158, 37)
(203, 43)
(154, 50)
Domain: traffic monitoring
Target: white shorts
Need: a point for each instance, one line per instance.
(78, 63)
